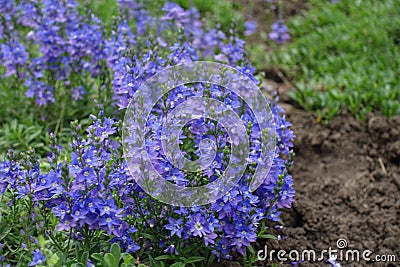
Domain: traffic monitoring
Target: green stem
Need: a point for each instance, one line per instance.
(59, 247)
(60, 119)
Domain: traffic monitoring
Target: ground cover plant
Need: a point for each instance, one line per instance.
(69, 70)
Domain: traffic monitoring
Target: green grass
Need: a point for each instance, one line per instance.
(223, 12)
(226, 13)
(345, 55)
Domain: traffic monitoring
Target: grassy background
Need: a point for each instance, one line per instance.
(344, 54)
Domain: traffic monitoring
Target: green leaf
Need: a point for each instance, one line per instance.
(128, 258)
(4, 231)
(165, 257)
(99, 258)
(110, 260)
(268, 236)
(41, 241)
(53, 261)
(148, 236)
(84, 257)
(151, 259)
(116, 252)
(194, 259)
(251, 249)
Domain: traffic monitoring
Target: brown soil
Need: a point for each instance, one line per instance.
(347, 179)
(259, 10)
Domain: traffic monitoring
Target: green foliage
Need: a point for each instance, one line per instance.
(20, 137)
(106, 10)
(25, 125)
(345, 54)
(224, 12)
(180, 261)
(114, 258)
(196, 255)
(19, 234)
(251, 257)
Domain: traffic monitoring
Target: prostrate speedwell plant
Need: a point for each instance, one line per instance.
(66, 209)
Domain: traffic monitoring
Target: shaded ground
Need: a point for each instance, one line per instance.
(347, 181)
(347, 178)
(259, 10)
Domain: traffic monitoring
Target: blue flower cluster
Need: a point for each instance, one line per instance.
(46, 43)
(61, 42)
(280, 32)
(94, 192)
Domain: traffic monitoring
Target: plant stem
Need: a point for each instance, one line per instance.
(60, 119)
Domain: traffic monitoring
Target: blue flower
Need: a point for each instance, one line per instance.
(280, 32)
(198, 225)
(61, 210)
(333, 261)
(77, 93)
(93, 189)
(175, 226)
(38, 258)
(171, 250)
(13, 57)
(251, 27)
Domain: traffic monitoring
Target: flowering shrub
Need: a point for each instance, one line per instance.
(84, 197)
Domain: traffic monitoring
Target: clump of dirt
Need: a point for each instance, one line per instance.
(346, 174)
(347, 181)
(346, 178)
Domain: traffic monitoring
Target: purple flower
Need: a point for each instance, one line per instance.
(43, 93)
(132, 247)
(93, 188)
(171, 250)
(66, 224)
(61, 210)
(77, 93)
(280, 33)
(175, 226)
(198, 225)
(90, 158)
(333, 262)
(177, 13)
(251, 27)
(79, 213)
(38, 258)
(13, 57)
